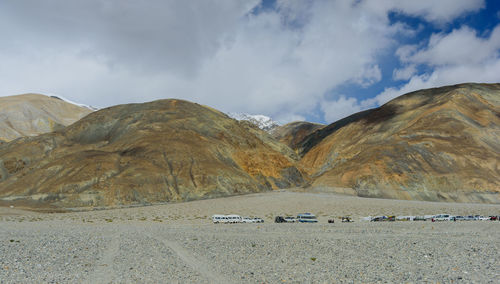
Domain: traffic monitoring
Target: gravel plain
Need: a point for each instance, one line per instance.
(176, 243)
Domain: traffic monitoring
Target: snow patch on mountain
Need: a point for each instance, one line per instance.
(72, 102)
(263, 122)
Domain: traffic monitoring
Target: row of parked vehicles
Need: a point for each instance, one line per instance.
(311, 218)
(448, 217)
(308, 218)
(433, 218)
(231, 219)
(302, 218)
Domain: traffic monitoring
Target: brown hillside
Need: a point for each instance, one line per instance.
(435, 144)
(293, 133)
(33, 114)
(167, 150)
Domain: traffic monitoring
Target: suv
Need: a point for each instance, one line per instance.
(279, 219)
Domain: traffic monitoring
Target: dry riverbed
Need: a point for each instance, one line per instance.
(178, 243)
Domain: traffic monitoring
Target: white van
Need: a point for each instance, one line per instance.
(226, 219)
(307, 218)
(443, 217)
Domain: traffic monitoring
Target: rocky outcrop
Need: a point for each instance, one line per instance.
(162, 151)
(33, 114)
(435, 144)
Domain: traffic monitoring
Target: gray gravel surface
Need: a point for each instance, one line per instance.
(72, 251)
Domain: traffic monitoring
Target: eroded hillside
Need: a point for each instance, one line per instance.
(435, 144)
(167, 150)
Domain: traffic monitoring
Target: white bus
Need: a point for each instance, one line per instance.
(307, 218)
(226, 219)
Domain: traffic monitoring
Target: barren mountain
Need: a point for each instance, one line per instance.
(33, 114)
(167, 150)
(435, 144)
(293, 133)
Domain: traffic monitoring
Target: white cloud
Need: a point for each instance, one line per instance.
(340, 108)
(404, 73)
(458, 57)
(439, 12)
(461, 46)
(369, 76)
(280, 62)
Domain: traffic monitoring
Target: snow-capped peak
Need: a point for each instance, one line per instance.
(72, 102)
(263, 122)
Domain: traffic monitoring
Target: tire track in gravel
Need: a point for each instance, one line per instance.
(195, 262)
(104, 272)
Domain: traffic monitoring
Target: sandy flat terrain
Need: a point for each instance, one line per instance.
(178, 243)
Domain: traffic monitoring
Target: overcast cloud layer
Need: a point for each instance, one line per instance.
(285, 61)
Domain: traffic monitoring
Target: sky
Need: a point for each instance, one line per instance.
(291, 60)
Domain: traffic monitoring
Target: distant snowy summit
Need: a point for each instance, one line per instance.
(72, 102)
(263, 122)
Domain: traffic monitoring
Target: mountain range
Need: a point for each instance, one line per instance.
(438, 144)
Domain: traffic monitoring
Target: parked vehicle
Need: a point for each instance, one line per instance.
(247, 220)
(494, 218)
(379, 219)
(460, 218)
(443, 217)
(405, 218)
(482, 218)
(391, 218)
(347, 219)
(307, 218)
(226, 219)
(290, 219)
(429, 217)
(419, 218)
(331, 221)
(279, 219)
(258, 220)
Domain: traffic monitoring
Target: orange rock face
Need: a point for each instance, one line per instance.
(167, 150)
(436, 144)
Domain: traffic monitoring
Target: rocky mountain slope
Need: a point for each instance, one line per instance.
(293, 133)
(33, 114)
(435, 144)
(167, 150)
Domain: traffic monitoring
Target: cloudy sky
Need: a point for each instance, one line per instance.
(291, 60)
